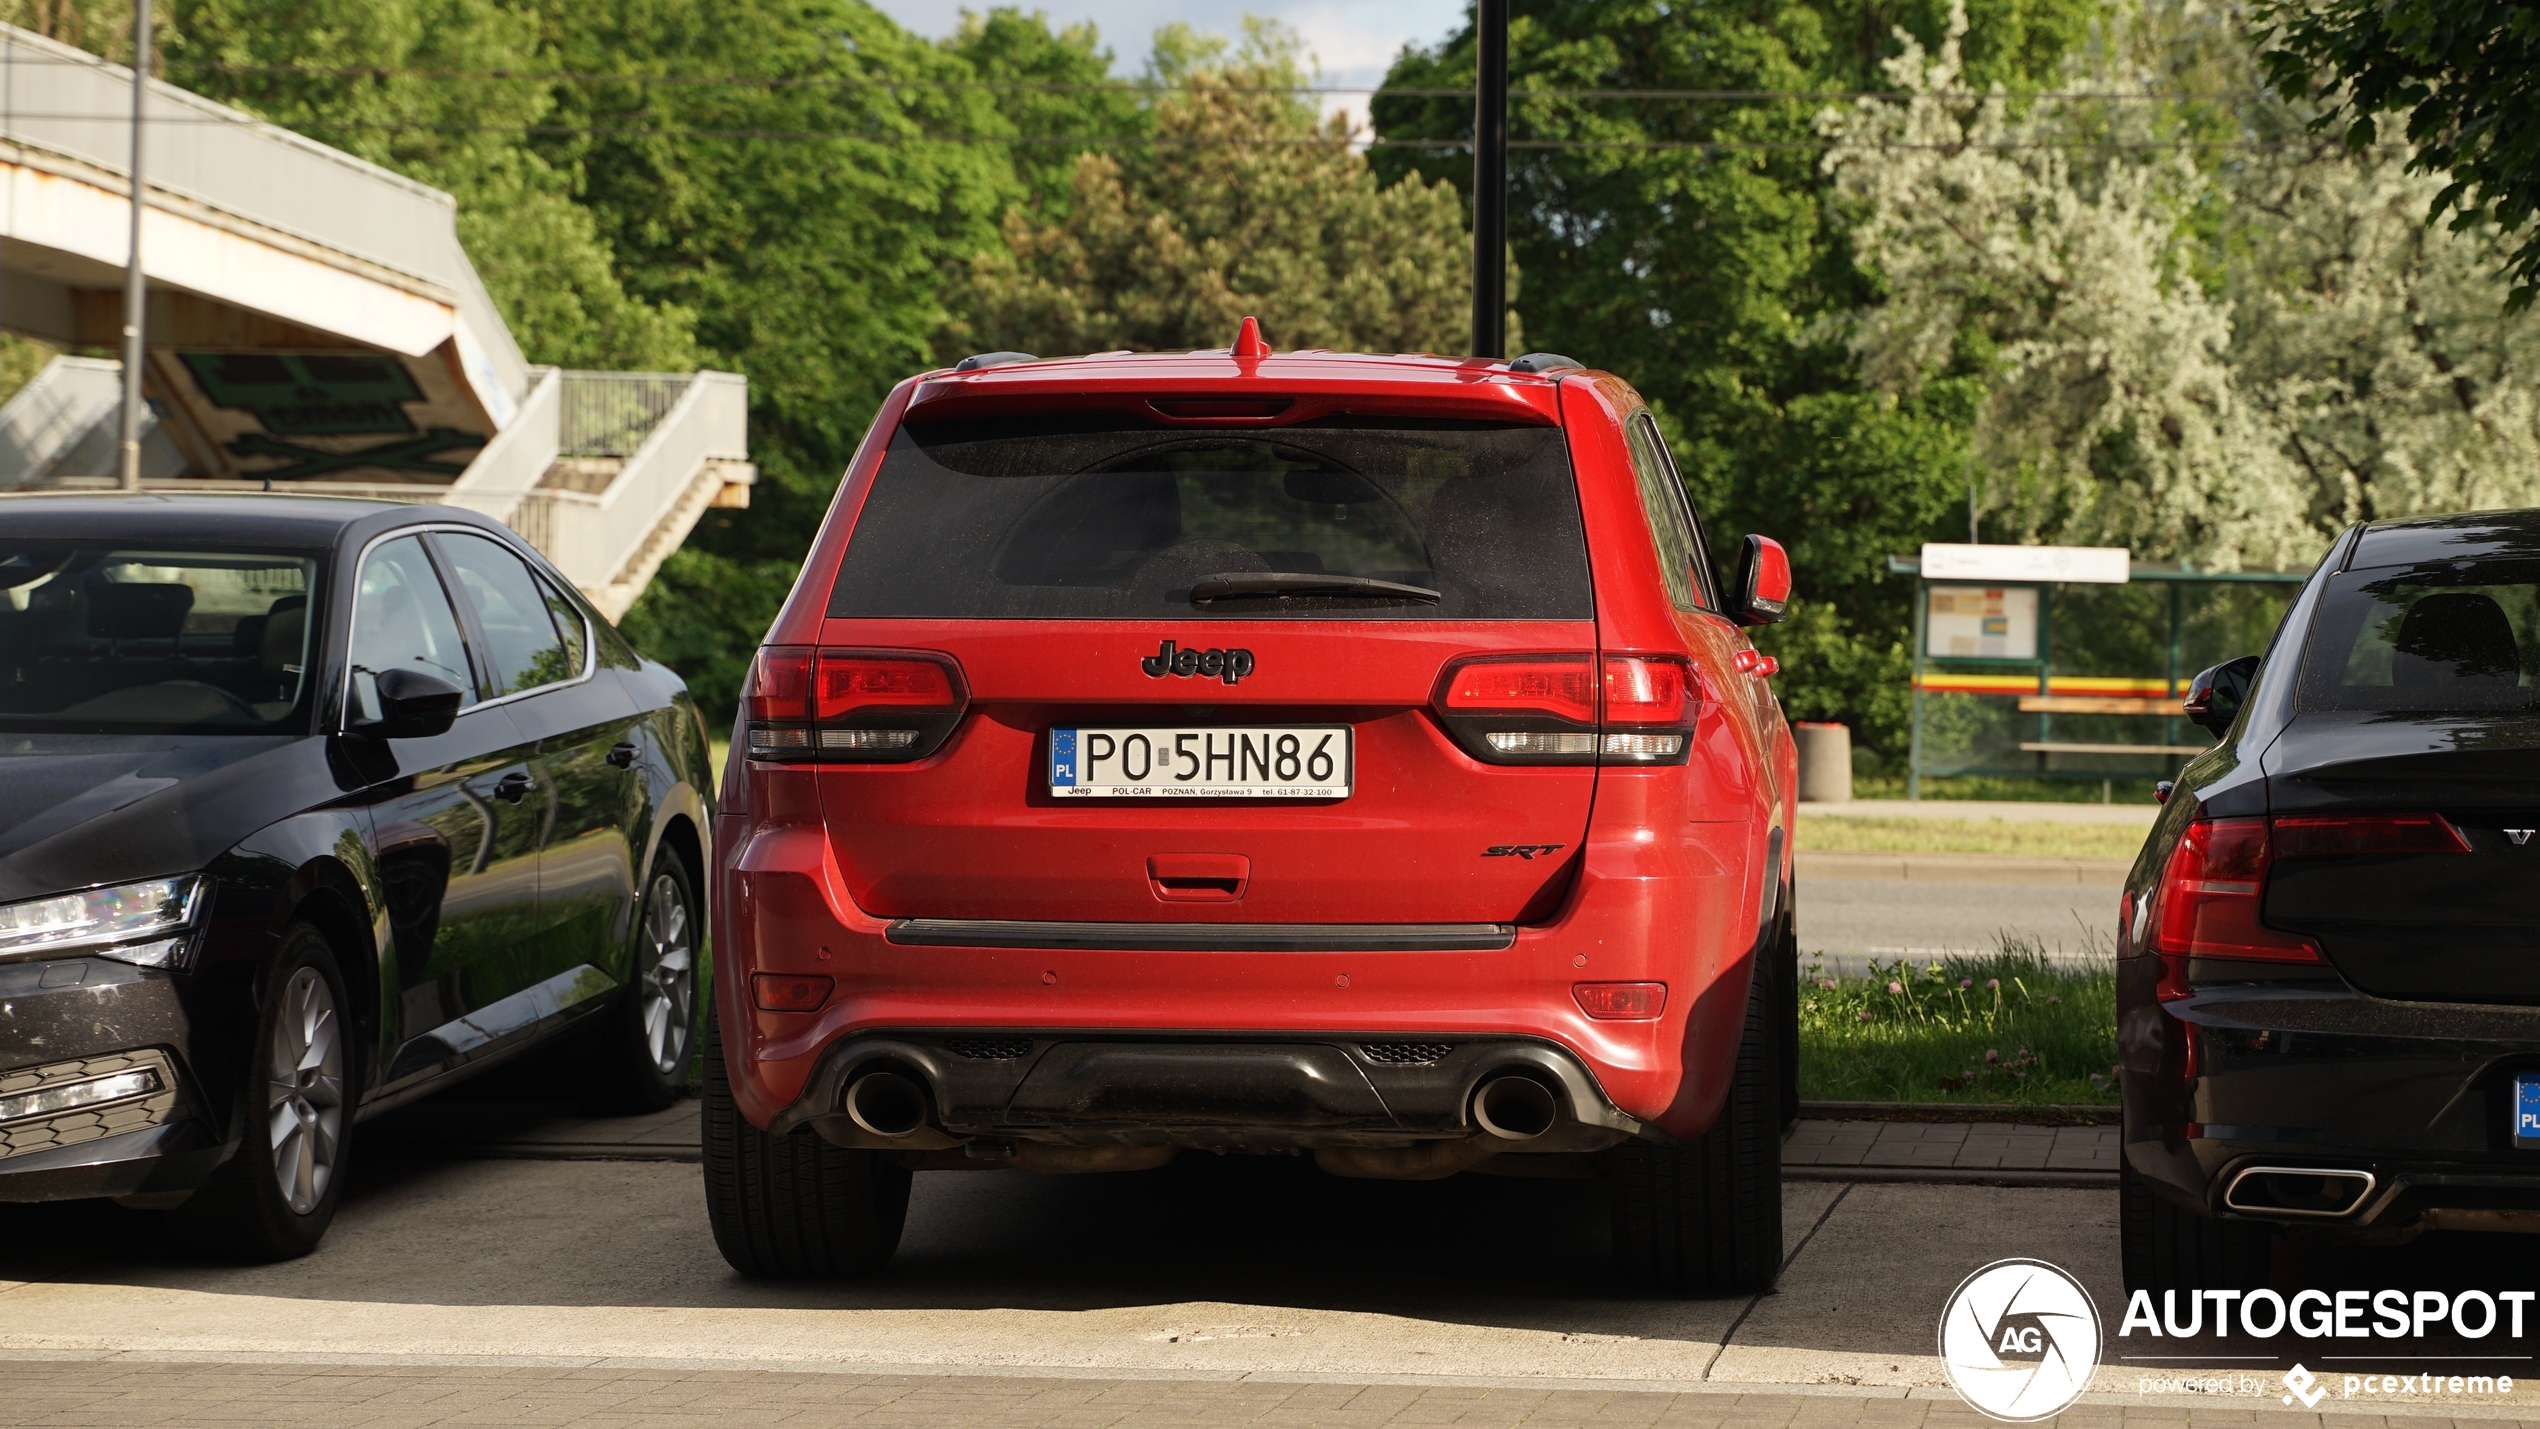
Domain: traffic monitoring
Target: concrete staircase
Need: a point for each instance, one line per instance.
(604, 472)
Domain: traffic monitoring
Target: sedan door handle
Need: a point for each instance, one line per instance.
(622, 755)
(514, 787)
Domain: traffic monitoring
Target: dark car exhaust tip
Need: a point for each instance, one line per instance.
(1515, 1108)
(2298, 1191)
(885, 1104)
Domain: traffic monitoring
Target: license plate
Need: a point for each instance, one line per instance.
(2527, 1109)
(1245, 762)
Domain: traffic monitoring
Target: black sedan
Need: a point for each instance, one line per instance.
(308, 808)
(2328, 992)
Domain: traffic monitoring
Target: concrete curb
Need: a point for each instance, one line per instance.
(2062, 1114)
(1963, 868)
(1956, 1176)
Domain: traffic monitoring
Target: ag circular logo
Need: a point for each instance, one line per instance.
(2019, 1340)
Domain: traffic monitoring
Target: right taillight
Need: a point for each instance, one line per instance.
(2348, 835)
(851, 706)
(2210, 895)
(1571, 708)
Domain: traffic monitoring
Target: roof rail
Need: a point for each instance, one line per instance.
(977, 360)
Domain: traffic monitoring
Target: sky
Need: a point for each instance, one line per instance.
(1355, 40)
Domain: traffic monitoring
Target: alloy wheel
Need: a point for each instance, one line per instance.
(305, 1091)
(667, 955)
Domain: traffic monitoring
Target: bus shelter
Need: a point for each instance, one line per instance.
(2068, 662)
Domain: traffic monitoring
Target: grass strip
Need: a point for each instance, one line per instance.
(2008, 1026)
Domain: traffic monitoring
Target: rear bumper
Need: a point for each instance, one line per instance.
(1684, 913)
(1228, 1092)
(2312, 1076)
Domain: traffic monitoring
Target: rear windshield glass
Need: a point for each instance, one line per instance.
(154, 641)
(1351, 519)
(2449, 638)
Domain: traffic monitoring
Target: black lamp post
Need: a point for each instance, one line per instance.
(1490, 178)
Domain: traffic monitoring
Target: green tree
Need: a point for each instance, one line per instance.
(1247, 203)
(413, 85)
(2466, 73)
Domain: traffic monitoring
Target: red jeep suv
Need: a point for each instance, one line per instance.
(1293, 754)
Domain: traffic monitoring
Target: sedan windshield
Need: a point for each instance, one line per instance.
(141, 640)
(2457, 637)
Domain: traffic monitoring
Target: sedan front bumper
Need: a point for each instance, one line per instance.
(93, 1098)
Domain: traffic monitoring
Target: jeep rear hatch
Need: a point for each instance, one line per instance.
(1201, 671)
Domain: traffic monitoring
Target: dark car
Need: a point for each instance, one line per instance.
(308, 808)
(2329, 981)
(1295, 754)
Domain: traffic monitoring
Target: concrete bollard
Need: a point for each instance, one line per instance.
(1825, 763)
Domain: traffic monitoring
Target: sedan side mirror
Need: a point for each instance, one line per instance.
(412, 705)
(1762, 593)
(2215, 696)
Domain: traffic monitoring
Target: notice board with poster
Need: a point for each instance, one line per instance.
(1975, 622)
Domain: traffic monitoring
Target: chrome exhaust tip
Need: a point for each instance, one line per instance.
(885, 1104)
(2320, 1191)
(1515, 1108)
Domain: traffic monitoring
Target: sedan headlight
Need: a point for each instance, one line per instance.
(136, 923)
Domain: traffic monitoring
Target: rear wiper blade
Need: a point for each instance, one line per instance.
(1274, 585)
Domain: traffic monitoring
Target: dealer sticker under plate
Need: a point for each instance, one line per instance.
(2527, 1110)
(1245, 762)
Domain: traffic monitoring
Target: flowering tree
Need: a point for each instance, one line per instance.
(2214, 350)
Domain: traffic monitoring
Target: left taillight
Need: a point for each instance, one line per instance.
(852, 706)
(2211, 892)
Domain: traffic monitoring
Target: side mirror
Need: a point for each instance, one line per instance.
(1762, 593)
(2215, 696)
(412, 705)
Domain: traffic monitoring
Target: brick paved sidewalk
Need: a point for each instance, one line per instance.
(114, 1394)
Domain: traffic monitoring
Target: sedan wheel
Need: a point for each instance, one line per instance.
(667, 974)
(275, 1198)
(641, 1061)
(305, 1091)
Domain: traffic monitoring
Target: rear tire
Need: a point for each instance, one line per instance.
(2167, 1246)
(1706, 1219)
(644, 1042)
(275, 1197)
(794, 1206)
(1785, 964)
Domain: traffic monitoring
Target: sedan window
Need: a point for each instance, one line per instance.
(402, 621)
(523, 646)
(153, 640)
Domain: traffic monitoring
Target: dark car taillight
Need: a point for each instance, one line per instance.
(1571, 708)
(2347, 835)
(855, 706)
(2210, 894)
